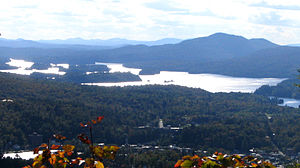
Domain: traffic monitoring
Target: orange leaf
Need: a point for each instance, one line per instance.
(44, 145)
(61, 154)
(195, 157)
(254, 165)
(28, 166)
(54, 147)
(59, 137)
(52, 160)
(83, 125)
(178, 163)
(94, 121)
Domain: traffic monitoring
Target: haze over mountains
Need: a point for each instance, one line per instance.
(111, 42)
(219, 53)
(82, 43)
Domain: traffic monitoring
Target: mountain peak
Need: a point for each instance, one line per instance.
(224, 35)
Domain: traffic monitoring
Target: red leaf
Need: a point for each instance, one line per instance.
(69, 153)
(83, 138)
(36, 150)
(100, 118)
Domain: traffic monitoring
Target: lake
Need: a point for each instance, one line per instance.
(290, 102)
(210, 82)
(23, 68)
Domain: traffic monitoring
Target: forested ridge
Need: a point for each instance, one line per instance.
(221, 121)
(284, 89)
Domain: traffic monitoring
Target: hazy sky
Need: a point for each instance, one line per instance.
(275, 20)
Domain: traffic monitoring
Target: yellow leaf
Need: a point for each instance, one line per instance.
(61, 154)
(99, 164)
(37, 164)
(114, 148)
(187, 164)
(68, 148)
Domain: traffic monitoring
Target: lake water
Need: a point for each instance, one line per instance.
(23, 68)
(113, 67)
(290, 102)
(26, 155)
(22, 155)
(209, 82)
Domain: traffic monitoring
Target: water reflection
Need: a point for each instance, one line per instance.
(209, 82)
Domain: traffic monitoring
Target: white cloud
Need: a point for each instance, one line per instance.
(275, 20)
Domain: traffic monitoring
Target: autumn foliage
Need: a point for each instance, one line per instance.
(62, 156)
(219, 160)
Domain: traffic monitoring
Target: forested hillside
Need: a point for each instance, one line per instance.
(216, 121)
(284, 89)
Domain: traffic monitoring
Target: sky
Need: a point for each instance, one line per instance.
(275, 20)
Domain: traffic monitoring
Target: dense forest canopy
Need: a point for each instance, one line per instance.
(223, 121)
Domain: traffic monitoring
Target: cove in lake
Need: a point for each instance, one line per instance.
(209, 82)
(23, 68)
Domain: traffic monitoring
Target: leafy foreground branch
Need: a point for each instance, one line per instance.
(219, 160)
(62, 156)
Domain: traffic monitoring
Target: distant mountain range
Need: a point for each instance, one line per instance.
(294, 45)
(219, 53)
(111, 42)
(78, 43)
(21, 43)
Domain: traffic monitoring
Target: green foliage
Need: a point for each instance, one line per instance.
(221, 121)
